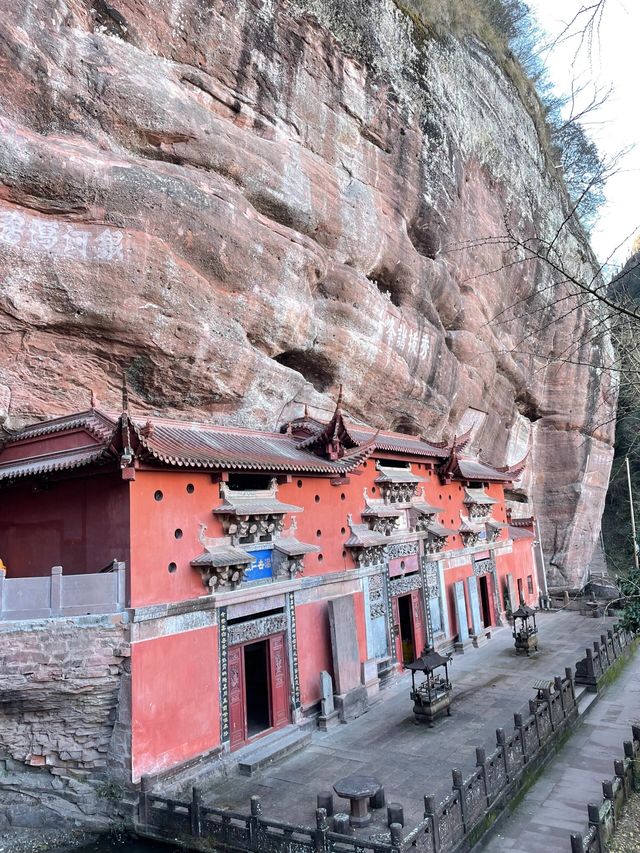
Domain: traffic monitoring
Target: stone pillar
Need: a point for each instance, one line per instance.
(55, 599)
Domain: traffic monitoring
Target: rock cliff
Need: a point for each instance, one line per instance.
(243, 204)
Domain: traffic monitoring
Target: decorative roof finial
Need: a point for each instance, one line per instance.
(306, 410)
(94, 399)
(125, 395)
(339, 400)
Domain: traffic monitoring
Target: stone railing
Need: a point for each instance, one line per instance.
(206, 828)
(453, 825)
(604, 816)
(62, 595)
(592, 669)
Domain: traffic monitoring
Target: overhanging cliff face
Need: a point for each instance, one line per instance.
(247, 203)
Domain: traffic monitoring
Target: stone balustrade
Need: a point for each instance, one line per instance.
(57, 594)
(604, 816)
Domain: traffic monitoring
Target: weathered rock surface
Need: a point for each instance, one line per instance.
(243, 204)
(62, 709)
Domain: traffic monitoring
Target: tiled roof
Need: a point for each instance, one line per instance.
(254, 503)
(362, 537)
(382, 510)
(517, 533)
(474, 469)
(63, 461)
(396, 475)
(196, 445)
(425, 508)
(477, 496)
(223, 555)
(469, 526)
(397, 442)
(291, 546)
(439, 530)
(95, 422)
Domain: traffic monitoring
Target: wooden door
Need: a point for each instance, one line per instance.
(237, 706)
(396, 635)
(279, 678)
(419, 630)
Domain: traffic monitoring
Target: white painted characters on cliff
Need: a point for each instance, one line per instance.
(408, 341)
(65, 240)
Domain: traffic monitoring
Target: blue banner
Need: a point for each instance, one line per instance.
(262, 567)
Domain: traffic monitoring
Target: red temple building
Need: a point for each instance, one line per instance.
(232, 550)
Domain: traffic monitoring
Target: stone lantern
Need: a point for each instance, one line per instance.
(433, 696)
(525, 631)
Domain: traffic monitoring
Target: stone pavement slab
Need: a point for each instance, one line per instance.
(556, 805)
(490, 684)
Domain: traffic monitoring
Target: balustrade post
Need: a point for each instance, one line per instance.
(430, 814)
(501, 743)
(322, 827)
(194, 812)
(577, 843)
(593, 810)
(618, 769)
(256, 811)
(121, 591)
(568, 674)
(143, 800)
(557, 683)
(396, 836)
(55, 591)
(481, 762)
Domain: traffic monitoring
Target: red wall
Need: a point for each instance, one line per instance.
(520, 563)
(314, 648)
(175, 700)
(81, 524)
(154, 545)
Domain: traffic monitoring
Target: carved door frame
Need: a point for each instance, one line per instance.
(278, 687)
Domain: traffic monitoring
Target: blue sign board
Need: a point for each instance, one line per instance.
(261, 567)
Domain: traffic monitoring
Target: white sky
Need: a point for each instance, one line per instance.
(613, 61)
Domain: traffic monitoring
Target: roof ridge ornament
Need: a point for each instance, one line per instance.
(334, 440)
(126, 455)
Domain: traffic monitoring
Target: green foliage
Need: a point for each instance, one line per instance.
(511, 33)
(630, 589)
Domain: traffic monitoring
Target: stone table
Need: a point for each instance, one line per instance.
(358, 789)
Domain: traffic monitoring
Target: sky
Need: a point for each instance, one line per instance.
(616, 126)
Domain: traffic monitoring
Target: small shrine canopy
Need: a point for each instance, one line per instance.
(254, 502)
(363, 537)
(439, 530)
(518, 533)
(223, 555)
(289, 545)
(477, 496)
(382, 511)
(396, 475)
(523, 612)
(425, 509)
(468, 525)
(427, 662)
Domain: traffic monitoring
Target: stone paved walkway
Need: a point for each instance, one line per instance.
(556, 805)
(490, 684)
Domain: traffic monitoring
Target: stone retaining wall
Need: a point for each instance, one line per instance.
(63, 713)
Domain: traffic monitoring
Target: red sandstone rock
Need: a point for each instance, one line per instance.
(216, 199)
